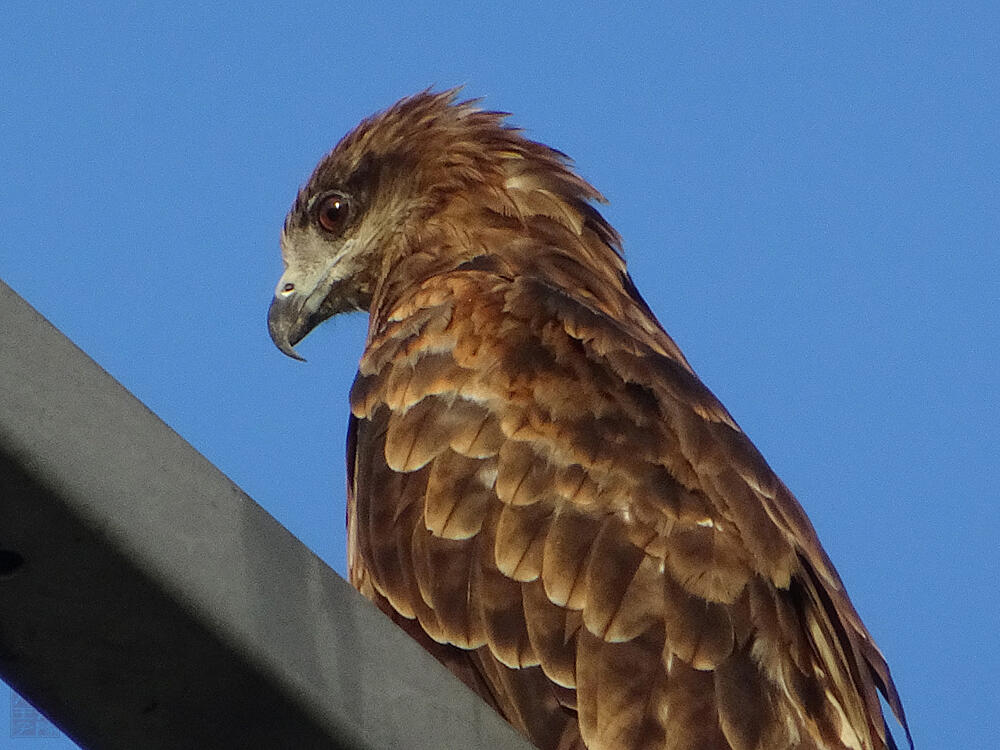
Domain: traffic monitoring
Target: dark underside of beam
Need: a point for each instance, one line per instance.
(147, 602)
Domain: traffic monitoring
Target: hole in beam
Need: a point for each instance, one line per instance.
(10, 561)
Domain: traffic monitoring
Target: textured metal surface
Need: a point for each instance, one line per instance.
(146, 601)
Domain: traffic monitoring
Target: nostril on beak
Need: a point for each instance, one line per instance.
(287, 289)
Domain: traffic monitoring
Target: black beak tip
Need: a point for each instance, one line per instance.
(290, 351)
(284, 328)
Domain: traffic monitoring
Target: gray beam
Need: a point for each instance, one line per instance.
(146, 601)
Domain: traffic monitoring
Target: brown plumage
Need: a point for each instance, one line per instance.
(541, 490)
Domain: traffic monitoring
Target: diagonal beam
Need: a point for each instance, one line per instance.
(146, 601)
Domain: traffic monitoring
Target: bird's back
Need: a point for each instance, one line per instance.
(558, 499)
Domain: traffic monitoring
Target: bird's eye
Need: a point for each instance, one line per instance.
(332, 213)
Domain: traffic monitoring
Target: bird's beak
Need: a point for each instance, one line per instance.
(288, 322)
(296, 307)
(304, 298)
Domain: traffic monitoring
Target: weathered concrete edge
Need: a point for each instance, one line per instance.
(158, 602)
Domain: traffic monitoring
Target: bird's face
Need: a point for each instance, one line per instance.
(368, 203)
(321, 250)
(335, 236)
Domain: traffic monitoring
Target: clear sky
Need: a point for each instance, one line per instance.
(810, 200)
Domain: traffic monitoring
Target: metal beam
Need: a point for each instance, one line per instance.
(146, 601)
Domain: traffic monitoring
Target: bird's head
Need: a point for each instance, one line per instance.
(365, 204)
(406, 188)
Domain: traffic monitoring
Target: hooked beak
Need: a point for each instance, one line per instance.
(303, 300)
(289, 320)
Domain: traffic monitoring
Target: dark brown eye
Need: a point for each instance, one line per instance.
(332, 213)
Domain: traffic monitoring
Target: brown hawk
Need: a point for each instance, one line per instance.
(541, 490)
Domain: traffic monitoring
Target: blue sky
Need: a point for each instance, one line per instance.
(810, 200)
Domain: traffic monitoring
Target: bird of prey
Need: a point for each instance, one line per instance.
(541, 490)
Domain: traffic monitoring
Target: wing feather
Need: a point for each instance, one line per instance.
(621, 582)
(552, 631)
(458, 496)
(520, 541)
